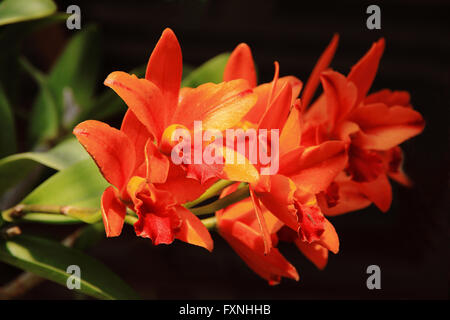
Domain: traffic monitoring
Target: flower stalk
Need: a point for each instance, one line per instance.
(88, 215)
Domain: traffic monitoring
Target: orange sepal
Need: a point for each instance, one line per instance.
(316, 167)
(317, 254)
(113, 212)
(142, 97)
(240, 65)
(329, 238)
(110, 148)
(137, 133)
(321, 65)
(165, 69)
(261, 222)
(249, 245)
(379, 191)
(264, 91)
(192, 230)
(291, 133)
(384, 127)
(157, 164)
(350, 198)
(364, 71)
(277, 112)
(279, 200)
(340, 96)
(219, 106)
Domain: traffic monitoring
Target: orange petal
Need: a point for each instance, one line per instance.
(394, 162)
(384, 127)
(261, 222)
(350, 198)
(137, 133)
(183, 189)
(142, 97)
(157, 164)
(277, 112)
(379, 191)
(110, 148)
(244, 211)
(314, 252)
(280, 200)
(321, 65)
(113, 212)
(249, 245)
(329, 238)
(291, 133)
(240, 65)
(389, 98)
(340, 95)
(263, 92)
(192, 230)
(316, 167)
(155, 208)
(164, 69)
(219, 106)
(364, 71)
(238, 168)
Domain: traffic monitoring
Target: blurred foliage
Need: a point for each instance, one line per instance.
(13, 11)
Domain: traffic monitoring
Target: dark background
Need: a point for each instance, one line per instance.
(409, 243)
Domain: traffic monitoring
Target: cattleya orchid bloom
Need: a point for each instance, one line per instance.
(372, 126)
(288, 198)
(333, 157)
(135, 158)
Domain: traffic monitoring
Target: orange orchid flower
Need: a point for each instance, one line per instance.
(303, 172)
(372, 126)
(135, 159)
(238, 225)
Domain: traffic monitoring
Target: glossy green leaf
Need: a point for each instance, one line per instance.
(8, 135)
(80, 185)
(44, 118)
(16, 167)
(50, 260)
(11, 38)
(210, 71)
(12, 11)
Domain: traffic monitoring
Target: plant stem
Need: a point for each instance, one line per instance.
(131, 220)
(210, 223)
(211, 192)
(88, 215)
(238, 195)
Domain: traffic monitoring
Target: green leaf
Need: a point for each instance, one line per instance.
(11, 38)
(80, 185)
(16, 167)
(8, 135)
(71, 83)
(12, 11)
(50, 259)
(210, 71)
(44, 118)
(77, 68)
